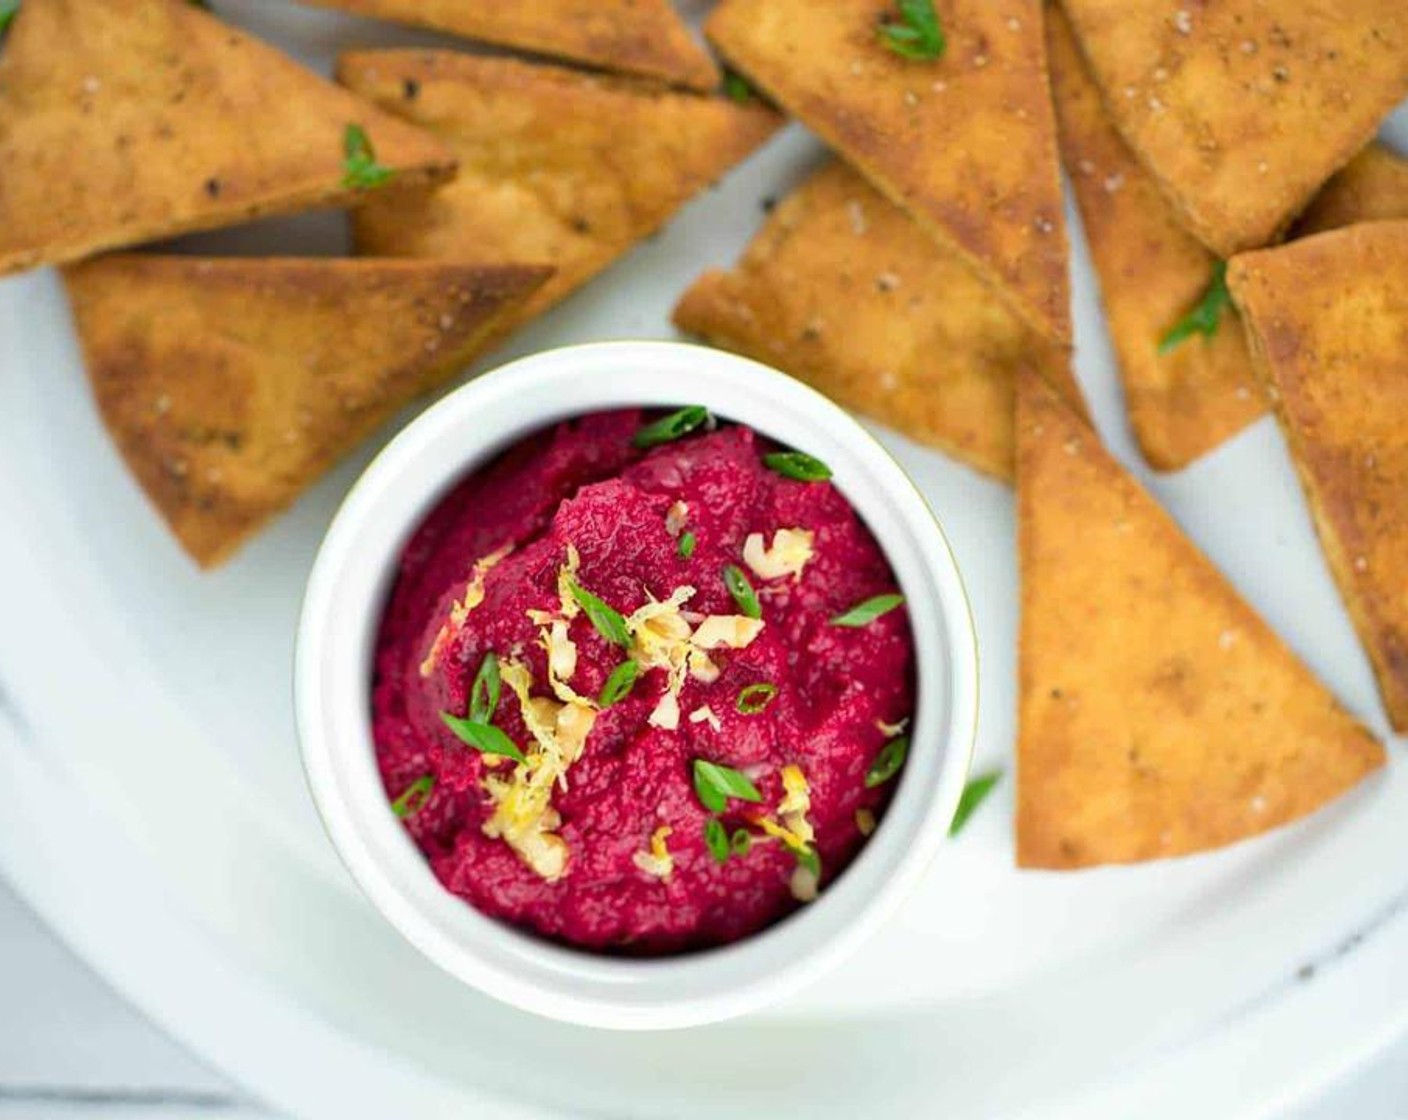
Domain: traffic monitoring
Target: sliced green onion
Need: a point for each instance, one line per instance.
(756, 697)
(808, 858)
(609, 622)
(715, 783)
(483, 737)
(359, 166)
(918, 35)
(742, 591)
(484, 695)
(863, 614)
(741, 842)
(1203, 317)
(736, 87)
(687, 543)
(717, 839)
(672, 427)
(798, 465)
(887, 763)
(619, 684)
(974, 794)
(413, 800)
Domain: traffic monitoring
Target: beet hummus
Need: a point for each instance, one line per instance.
(642, 684)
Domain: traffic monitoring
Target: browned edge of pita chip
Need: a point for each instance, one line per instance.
(1184, 402)
(613, 159)
(641, 37)
(1242, 109)
(1327, 317)
(126, 121)
(841, 288)
(1372, 187)
(1158, 715)
(230, 385)
(965, 143)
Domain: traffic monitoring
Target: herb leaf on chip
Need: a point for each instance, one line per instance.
(1205, 316)
(917, 35)
(360, 169)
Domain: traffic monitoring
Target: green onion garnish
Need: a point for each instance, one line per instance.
(736, 87)
(918, 35)
(359, 166)
(619, 684)
(864, 613)
(808, 858)
(413, 800)
(687, 543)
(756, 697)
(716, 838)
(483, 737)
(715, 784)
(798, 465)
(484, 695)
(609, 622)
(742, 591)
(1206, 314)
(887, 763)
(974, 794)
(672, 427)
(741, 842)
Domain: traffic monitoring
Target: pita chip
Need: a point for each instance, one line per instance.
(1243, 108)
(556, 166)
(1158, 715)
(230, 385)
(1372, 187)
(842, 289)
(1328, 320)
(124, 121)
(965, 142)
(645, 37)
(1184, 400)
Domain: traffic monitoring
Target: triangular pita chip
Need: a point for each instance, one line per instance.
(556, 166)
(230, 385)
(1186, 401)
(1241, 109)
(966, 142)
(1372, 187)
(124, 121)
(645, 37)
(842, 289)
(1158, 714)
(1328, 319)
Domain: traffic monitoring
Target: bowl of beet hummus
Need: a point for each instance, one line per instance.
(636, 683)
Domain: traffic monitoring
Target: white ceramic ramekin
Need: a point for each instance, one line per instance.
(352, 577)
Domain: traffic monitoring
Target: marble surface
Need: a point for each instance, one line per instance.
(71, 1048)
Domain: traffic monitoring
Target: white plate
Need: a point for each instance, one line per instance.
(156, 814)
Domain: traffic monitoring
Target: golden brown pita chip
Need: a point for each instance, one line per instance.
(1158, 714)
(643, 37)
(1328, 320)
(1372, 187)
(1241, 109)
(555, 166)
(129, 120)
(842, 289)
(1186, 401)
(230, 385)
(966, 143)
